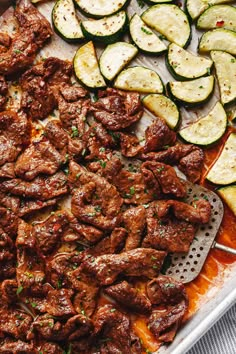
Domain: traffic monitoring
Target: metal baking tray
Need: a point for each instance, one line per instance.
(219, 298)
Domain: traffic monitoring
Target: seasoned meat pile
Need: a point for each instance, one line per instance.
(87, 213)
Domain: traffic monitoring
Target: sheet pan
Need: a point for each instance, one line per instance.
(218, 299)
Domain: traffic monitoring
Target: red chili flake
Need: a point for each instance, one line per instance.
(56, 227)
(220, 23)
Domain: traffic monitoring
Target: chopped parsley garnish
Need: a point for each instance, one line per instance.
(17, 51)
(132, 190)
(112, 310)
(169, 285)
(19, 290)
(102, 163)
(33, 304)
(75, 131)
(146, 31)
(59, 283)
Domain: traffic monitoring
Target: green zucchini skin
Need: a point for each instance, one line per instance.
(218, 39)
(187, 103)
(121, 4)
(107, 39)
(60, 6)
(223, 16)
(207, 64)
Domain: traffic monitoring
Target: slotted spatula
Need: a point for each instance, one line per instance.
(186, 266)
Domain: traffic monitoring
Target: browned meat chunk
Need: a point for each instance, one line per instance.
(50, 348)
(30, 206)
(73, 107)
(158, 135)
(9, 288)
(134, 221)
(59, 303)
(15, 323)
(171, 224)
(139, 262)
(34, 31)
(10, 346)
(10, 202)
(188, 158)
(38, 98)
(7, 170)
(96, 202)
(3, 91)
(56, 134)
(51, 329)
(39, 158)
(129, 297)
(113, 324)
(164, 322)
(163, 178)
(117, 109)
(8, 222)
(129, 145)
(14, 135)
(42, 188)
(5, 42)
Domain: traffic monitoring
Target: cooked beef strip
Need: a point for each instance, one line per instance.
(129, 145)
(30, 206)
(41, 188)
(134, 221)
(96, 202)
(3, 91)
(5, 42)
(117, 109)
(51, 329)
(34, 31)
(188, 158)
(14, 135)
(158, 135)
(7, 170)
(136, 263)
(8, 222)
(171, 224)
(171, 294)
(50, 348)
(129, 297)
(11, 346)
(9, 288)
(38, 97)
(113, 329)
(10, 202)
(163, 178)
(14, 323)
(59, 303)
(39, 158)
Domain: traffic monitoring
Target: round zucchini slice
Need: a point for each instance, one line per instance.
(225, 65)
(65, 21)
(161, 106)
(170, 21)
(192, 93)
(107, 29)
(218, 39)
(144, 38)
(224, 169)
(100, 8)
(186, 66)
(228, 194)
(196, 7)
(139, 79)
(115, 57)
(86, 67)
(223, 16)
(207, 130)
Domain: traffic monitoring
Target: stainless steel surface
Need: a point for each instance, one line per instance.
(221, 247)
(185, 267)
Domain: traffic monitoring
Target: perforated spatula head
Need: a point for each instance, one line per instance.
(186, 266)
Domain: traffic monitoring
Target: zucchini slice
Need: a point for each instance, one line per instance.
(86, 67)
(65, 21)
(223, 16)
(186, 66)
(224, 169)
(115, 57)
(196, 7)
(107, 29)
(206, 130)
(192, 93)
(161, 106)
(153, 2)
(139, 79)
(100, 8)
(170, 21)
(144, 38)
(225, 65)
(228, 194)
(218, 39)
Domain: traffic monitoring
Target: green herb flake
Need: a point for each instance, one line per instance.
(169, 285)
(140, 3)
(132, 190)
(113, 310)
(232, 60)
(195, 238)
(102, 149)
(91, 214)
(209, 71)
(59, 283)
(201, 87)
(146, 206)
(78, 175)
(160, 169)
(103, 163)
(17, 51)
(33, 304)
(75, 131)
(98, 208)
(19, 290)
(162, 37)
(153, 258)
(155, 267)
(146, 31)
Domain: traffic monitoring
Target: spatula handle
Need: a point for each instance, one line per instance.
(224, 248)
